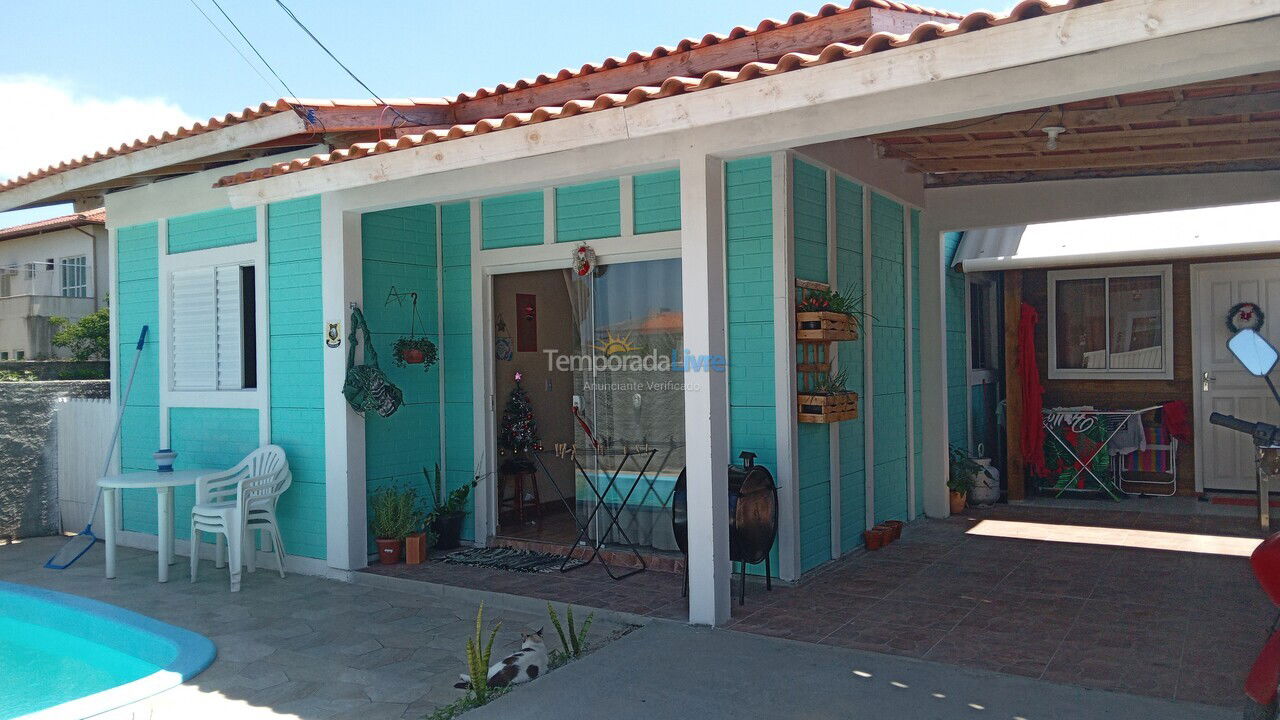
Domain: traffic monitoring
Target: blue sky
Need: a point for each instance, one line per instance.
(130, 67)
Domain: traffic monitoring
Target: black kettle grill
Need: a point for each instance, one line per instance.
(753, 519)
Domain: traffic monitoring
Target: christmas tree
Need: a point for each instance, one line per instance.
(519, 433)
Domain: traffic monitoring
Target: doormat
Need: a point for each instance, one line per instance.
(510, 559)
(1247, 501)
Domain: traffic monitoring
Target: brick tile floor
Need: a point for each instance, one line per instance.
(1151, 622)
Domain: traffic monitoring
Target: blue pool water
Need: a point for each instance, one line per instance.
(63, 656)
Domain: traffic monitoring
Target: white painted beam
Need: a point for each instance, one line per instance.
(784, 372)
(706, 424)
(933, 369)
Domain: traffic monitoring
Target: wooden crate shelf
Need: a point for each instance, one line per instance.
(827, 408)
(821, 327)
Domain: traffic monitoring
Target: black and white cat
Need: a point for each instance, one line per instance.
(524, 665)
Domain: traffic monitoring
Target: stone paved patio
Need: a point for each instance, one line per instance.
(301, 647)
(1152, 622)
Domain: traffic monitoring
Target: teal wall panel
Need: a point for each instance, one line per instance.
(588, 212)
(957, 347)
(749, 278)
(849, 277)
(809, 203)
(213, 229)
(510, 221)
(399, 249)
(888, 350)
(455, 249)
(297, 369)
(917, 403)
(656, 201)
(137, 303)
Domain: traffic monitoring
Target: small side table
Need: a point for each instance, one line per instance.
(525, 481)
(164, 483)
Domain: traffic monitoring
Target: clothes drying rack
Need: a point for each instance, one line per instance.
(1060, 420)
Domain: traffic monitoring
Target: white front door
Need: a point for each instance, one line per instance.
(1225, 459)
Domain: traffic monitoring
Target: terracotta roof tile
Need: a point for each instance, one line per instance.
(89, 217)
(301, 105)
(688, 44)
(835, 52)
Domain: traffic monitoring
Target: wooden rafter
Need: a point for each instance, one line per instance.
(1085, 161)
(1177, 135)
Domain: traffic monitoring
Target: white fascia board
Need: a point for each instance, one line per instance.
(190, 149)
(1196, 252)
(1056, 58)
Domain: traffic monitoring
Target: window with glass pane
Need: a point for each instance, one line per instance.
(75, 277)
(1134, 322)
(1081, 322)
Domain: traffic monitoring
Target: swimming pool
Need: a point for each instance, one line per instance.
(63, 656)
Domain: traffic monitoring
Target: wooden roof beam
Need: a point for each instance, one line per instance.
(1087, 161)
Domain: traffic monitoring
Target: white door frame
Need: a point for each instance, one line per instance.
(1200, 422)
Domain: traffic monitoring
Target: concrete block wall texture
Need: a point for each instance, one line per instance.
(849, 277)
(749, 275)
(588, 212)
(399, 253)
(810, 237)
(213, 229)
(917, 399)
(297, 368)
(655, 202)
(456, 356)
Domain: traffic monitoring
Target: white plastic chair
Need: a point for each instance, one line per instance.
(238, 504)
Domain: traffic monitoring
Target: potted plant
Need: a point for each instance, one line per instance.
(828, 401)
(395, 515)
(960, 477)
(823, 314)
(450, 510)
(414, 351)
(418, 543)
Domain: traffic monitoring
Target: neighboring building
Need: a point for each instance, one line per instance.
(713, 179)
(55, 267)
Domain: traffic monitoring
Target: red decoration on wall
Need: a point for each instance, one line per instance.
(526, 322)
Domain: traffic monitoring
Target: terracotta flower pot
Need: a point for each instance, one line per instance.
(388, 551)
(895, 527)
(415, 548)
(874, 538)
(957, 502)
(413, 356)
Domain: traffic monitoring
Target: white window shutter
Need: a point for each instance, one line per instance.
(230, 356)
(194, 337)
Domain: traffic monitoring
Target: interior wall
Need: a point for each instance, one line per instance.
(550, 390)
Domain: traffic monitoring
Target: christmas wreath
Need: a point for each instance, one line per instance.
(1244, 315)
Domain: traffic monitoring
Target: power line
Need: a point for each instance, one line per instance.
(235, 47)
(328, 52)
(254, 49)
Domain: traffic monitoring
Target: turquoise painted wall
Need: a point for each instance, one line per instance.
(656, 201)
(510, 221)
(588, 212)
(297, 369)
(813, 451)
(917, 399)
(136, 299)
(888, 359)
(957, 347)
(849, 269)
(455, 248)
(216, 228)
(214, 438)
(399, 251)
(749, 278)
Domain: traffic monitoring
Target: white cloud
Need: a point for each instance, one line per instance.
(48, 122)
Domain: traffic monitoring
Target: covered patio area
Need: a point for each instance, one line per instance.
(1065, 593)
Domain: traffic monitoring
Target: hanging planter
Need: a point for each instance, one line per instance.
(823, 398)
(411, 349)
(825, 315)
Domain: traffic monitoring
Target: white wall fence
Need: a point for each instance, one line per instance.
(83, 431)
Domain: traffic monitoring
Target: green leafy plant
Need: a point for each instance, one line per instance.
(831, 383)
(962, 472)
(465, 703)
(396, 513)
(478, 652)
(17, 376)
(420, 344)
(846, 303)
(88, 338)
(452, 503)
(573, 642)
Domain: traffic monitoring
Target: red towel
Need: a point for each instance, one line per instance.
(1177, 420)
(1032, 392)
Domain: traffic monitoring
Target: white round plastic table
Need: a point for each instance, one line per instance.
(164, 483)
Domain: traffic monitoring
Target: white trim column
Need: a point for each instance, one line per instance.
(933, 370)
(341, 283)
(706, 423)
